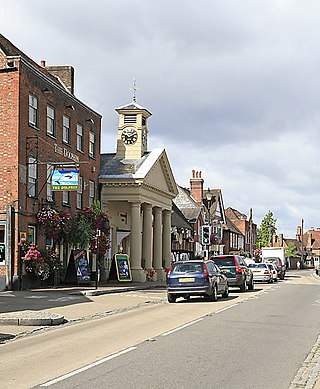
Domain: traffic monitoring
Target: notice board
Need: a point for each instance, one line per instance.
(78, 270)
(123, 267)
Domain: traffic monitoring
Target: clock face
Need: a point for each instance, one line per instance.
(129, 136)
(144, 138)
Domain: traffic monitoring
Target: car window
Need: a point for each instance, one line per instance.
(257, 265)
(224, 261)
(210, 267)
(187, 268)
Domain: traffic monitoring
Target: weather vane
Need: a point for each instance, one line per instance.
(134, 89)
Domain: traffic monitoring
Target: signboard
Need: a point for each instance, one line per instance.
(123, 267)
(23, 237)
(64, 179)
(78, 270)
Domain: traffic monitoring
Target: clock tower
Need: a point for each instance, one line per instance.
(132, 140)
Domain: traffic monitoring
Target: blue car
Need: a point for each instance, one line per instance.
(196, 278)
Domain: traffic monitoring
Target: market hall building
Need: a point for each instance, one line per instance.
(137, 189)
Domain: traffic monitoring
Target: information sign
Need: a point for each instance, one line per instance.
(65, 179)
(123, 267)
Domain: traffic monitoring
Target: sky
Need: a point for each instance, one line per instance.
(232, 85)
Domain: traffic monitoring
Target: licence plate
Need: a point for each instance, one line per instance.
(256, 271)
(225, 270)
(186, 279)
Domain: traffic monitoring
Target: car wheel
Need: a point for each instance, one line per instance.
(214, 295)
(251, 285)
(226, 292)
(243, 287)
(172, 298)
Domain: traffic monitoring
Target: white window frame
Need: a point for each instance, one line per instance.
(33, 110)
(50, 120)
(66, 197)
(32, 177)
(91, 192)
(50, 193)
(79, 137)
(66, 129)
(79, 193)
(92, 149)
(32, 232)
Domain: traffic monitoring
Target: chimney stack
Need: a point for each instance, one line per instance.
(196, 186)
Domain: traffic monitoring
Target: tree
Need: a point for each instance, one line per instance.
(291, 251)
(267, 229)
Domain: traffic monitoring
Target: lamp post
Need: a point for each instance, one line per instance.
(209, 197)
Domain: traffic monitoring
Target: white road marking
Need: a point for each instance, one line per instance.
(224, 309)
(61, 378)
(182, 327)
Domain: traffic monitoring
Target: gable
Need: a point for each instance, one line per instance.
(161, 178)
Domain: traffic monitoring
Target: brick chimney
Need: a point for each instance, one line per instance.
(64, 73)
(281, 240)
(196, 186)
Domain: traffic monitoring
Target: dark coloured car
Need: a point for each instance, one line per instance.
(196, 278)
(236, 270)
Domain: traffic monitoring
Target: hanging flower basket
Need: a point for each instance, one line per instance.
(34, 262)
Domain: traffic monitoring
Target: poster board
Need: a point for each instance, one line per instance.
(78, 270)
(64, 179)
(123, 267)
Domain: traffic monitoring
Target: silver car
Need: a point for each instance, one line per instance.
(261, 272)
(273, 271)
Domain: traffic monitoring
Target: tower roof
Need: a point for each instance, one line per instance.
(132, 107)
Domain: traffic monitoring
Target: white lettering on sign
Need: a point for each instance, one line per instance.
(66, 153)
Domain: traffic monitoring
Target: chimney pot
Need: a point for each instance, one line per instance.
(43, 63)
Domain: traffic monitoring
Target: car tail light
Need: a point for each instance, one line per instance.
(266, 272)
(238, 268)
(169, 271)
(205, 270)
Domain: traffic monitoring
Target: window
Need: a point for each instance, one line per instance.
(65, 197)
(79, 193)
(32, 177)
(33, 110)
(91, 192)
(50, 194)
(66, 129)
(92, 149)
(79, 137)
(144, 120)
(32, 234)
(50, 121)
(2, 244)
(130, 119)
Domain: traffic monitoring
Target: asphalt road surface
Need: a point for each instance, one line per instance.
(258, 343)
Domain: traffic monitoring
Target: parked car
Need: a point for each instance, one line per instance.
(236, 270)
(273, 271)
(281, 267)
(261, 272)
(196, 278)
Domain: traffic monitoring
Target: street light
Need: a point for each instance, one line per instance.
(209, 197)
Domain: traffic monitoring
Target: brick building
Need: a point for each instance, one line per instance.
(42, 125)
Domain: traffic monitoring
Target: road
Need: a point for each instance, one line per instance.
(255, 339)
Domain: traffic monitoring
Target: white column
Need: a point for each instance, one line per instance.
(166, 238)
(157, 241)
(136, 244)
(147, 235)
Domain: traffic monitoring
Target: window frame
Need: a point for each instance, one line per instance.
(51, 121)
(92, 191)
(80, 142)
(32, 179)
(33, 110)
(80, 193)
(92, 144)
(66, 201)
(65, 130)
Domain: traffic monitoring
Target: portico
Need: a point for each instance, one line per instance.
(137, 189)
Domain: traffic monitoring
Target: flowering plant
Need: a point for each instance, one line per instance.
(150, 273)
(56, 224)
(35, 263)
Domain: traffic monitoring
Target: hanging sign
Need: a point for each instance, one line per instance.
(123, 267)
(64, 179)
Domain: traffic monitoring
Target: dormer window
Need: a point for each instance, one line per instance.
(130, 119)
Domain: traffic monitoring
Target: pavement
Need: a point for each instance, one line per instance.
(23, 312)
